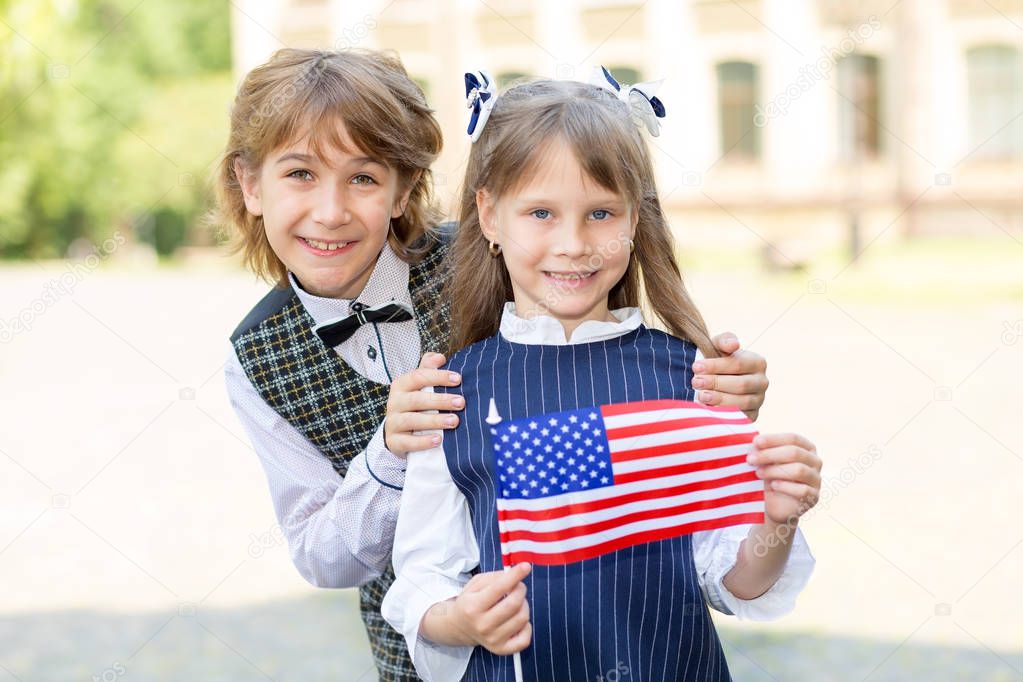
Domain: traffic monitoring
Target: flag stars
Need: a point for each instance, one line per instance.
(552, 454)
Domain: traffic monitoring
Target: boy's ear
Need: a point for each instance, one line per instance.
(402, 201)
(486, 209)
(249, 182)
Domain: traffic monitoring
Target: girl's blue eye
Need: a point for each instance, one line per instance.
(541, 213)
(300, 174)
(601, 214)
(363, 179)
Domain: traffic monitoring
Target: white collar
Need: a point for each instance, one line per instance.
(546, 330)
(388, 282)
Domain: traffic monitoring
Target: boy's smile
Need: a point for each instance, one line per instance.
(326, 218)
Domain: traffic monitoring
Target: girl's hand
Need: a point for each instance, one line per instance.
(491, 612)
(791, 470)
(737, 378)
(407, 405)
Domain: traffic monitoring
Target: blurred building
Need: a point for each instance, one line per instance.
(800, 124)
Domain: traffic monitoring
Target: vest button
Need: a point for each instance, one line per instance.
(372, 353)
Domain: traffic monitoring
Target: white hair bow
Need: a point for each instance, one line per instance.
(645, 107)
(480, 95)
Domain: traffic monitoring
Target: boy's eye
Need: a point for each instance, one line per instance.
(300, 174)
(540, 213)
(363, 179)
(601, 214)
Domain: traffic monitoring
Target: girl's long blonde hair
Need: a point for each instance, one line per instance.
(599, 129)
(310, 92)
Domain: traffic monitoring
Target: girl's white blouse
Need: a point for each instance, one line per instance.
(435, 549)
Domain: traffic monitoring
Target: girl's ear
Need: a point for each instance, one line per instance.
(401, 203)
(486, 209)
(249, 182)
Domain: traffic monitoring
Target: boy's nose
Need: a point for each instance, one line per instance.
(331, 208)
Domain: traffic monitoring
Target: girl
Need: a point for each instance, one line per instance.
(559, 177)
(326, 182)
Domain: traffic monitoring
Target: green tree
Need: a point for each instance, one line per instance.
(111, 113)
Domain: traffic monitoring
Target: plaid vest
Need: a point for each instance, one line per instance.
(335, 407)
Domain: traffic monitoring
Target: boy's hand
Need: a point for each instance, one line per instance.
(407, 406)
(492, 611)
(737, 378)
(791, 469)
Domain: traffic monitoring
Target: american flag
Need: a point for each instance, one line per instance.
(577, 484)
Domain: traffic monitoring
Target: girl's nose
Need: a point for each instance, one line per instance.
(331, 208)
(572, 241)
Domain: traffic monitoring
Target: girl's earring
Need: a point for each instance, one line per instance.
(495, 250)
(632, 246)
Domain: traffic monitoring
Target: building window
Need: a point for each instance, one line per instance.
(995, 101)
(737, 97)
(859, 106)
(506, 79)
(424, 85)
(624, 74)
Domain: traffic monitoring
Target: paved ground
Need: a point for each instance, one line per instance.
(137, 539)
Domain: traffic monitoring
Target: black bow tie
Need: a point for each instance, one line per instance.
(337, 332)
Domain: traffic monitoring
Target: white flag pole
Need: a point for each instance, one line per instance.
(493, 418)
